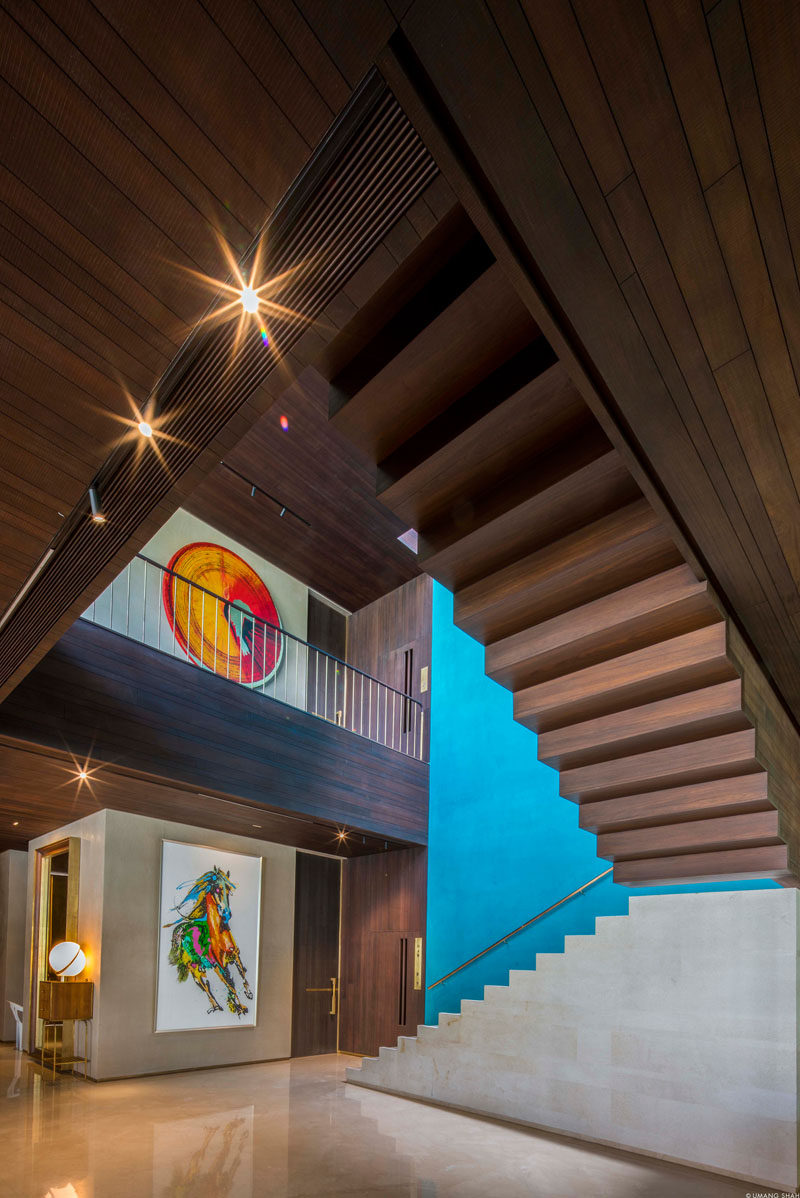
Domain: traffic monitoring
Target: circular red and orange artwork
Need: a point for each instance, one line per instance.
(222, 614)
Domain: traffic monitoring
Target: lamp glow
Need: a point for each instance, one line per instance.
(145, 429)
(250, 300)
(67, 959)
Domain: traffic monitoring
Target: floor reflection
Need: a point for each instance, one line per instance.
(291, 1130)
(205, 1156)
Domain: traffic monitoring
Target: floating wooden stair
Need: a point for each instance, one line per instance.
(643, 696)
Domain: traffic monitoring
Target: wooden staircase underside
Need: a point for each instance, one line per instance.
(643, 695)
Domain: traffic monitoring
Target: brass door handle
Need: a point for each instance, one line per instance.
(332, 989)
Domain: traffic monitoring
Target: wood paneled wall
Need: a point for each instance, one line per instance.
(383, 911)
(103, 696)
(316, 954)
(379, 635)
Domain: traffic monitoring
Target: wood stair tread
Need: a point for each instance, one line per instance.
(727, 865)
(547, 501)
(754, 829)
(699, 761)
(496, 412)
(612, 552)
(688, 662)
(655, 609)
(477, 331)
(692, 715)
(724, 796)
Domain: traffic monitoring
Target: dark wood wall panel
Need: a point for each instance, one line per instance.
(102, 696)
(383, 911)
(316, 954)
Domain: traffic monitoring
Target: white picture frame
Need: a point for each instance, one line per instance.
(209, 908)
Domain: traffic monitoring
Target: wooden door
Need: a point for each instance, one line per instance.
(315, 1000)
(383, 914)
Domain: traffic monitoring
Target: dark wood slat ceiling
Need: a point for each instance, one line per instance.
(348, 550)
(371, 169)
(40, 790)
(133, 144)
(653, 224)
(120, 165)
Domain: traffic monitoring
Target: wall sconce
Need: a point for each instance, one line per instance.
(67, 959)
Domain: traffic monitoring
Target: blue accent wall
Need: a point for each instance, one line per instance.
(503, 843)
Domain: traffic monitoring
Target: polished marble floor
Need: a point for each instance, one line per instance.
(291, 1129)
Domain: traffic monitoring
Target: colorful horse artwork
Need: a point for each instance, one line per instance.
(202, 942)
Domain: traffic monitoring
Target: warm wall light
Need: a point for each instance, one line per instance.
(67, 959)
(98, 514)
(250, 300)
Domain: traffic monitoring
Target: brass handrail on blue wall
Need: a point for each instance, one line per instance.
(522, 927)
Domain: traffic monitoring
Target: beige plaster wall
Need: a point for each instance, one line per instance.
(126, 1043)
(13, 879)
(118, 920)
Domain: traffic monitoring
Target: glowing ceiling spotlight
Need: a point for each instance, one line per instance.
(98, 515)
(250, 300)
(145, 429)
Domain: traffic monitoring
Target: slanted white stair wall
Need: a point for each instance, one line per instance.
(671, 1031)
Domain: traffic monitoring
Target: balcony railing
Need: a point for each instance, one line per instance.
(157, 607)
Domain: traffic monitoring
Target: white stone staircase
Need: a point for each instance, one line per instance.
(671, 1031)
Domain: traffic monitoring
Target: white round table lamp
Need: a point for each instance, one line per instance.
(67, 959)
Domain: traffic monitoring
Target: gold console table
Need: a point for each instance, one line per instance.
(60, 1003)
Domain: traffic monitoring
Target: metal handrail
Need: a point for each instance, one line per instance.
(277, 628)
(299, 674)
(523, 926)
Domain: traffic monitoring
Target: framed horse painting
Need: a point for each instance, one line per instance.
(208, 941)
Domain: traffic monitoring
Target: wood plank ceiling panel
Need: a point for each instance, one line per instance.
(135, 144)
(40, 790)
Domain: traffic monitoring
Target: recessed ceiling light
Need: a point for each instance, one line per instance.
(145, 429)
(82, 774)
(250, 300)
(15, 824)
(256, 825)
(98, 515)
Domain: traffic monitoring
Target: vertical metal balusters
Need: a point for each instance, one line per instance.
(189, 625)
(128, 597)
(202, 626)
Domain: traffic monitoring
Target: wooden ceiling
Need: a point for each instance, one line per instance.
(335, 535)
(120, 171)
(40, 790)
(136, 153)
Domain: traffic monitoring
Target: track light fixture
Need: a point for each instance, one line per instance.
(98, 515)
